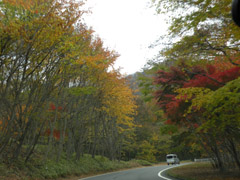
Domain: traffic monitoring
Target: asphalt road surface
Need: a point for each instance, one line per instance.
(147, 173)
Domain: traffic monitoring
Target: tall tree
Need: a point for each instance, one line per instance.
(181, 94)
(204, 32)
(55, 82)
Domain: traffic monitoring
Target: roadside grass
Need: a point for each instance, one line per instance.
(38, 168)
(201, 171)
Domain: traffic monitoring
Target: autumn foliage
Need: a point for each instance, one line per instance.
(187, 93)
(185, 77)
(199, 93)
(212, 78)
(58, 84)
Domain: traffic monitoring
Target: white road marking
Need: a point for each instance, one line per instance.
(159, 174)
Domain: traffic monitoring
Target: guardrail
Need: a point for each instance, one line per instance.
(202, 160)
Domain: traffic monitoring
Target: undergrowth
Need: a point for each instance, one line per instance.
(202, 171)
(39, 168)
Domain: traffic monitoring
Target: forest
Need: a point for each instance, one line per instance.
(195, 80)
(56, 86)
(60, 91)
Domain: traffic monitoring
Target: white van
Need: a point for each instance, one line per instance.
(172, 159)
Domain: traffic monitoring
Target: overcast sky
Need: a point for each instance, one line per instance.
(128, 27)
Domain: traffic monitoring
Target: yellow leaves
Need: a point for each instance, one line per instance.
(117, 100)
(155, 137)
(191, 92)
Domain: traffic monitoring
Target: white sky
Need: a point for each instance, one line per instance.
(128, 27)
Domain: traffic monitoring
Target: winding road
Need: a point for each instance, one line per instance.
(146, 173)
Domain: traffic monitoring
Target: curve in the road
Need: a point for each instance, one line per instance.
(160, 173)
(150, 173)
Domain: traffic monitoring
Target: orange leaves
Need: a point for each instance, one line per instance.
(223, 63)
(27, 5)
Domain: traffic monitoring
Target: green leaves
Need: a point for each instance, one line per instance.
(223, 109)
(78, 91)
(205, 31)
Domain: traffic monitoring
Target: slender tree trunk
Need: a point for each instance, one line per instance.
(35, 143)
